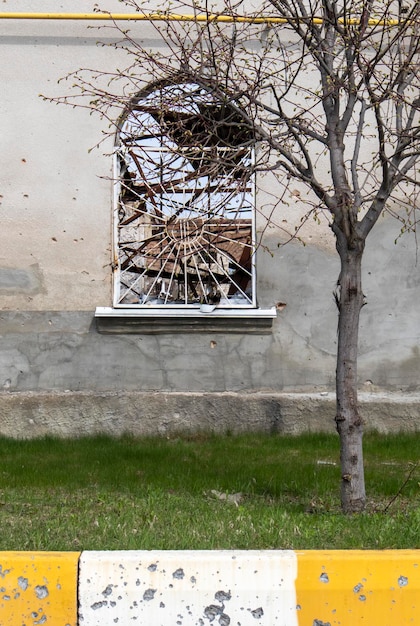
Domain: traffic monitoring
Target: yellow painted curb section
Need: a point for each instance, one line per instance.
(347, 588)
(38, 588)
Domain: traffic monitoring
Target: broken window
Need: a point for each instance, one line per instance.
(184, 211)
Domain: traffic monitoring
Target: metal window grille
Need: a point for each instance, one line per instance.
(184, 226)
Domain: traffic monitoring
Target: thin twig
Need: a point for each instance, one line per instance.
(410, 473)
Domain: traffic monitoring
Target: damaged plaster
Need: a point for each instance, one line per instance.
(21, 281)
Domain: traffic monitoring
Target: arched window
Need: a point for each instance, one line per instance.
(184, 226)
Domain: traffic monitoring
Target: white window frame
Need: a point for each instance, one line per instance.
(226, 308)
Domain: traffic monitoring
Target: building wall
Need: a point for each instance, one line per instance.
(55, 260)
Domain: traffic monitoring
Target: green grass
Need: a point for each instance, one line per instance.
(102, 493)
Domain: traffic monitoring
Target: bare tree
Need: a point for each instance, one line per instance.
(328, 92)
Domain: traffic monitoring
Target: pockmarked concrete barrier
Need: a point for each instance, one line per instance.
(38, 588)
(217, 588)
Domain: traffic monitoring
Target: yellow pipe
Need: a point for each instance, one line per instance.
(172, 17)
(163, 17)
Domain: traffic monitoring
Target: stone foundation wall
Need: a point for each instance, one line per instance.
(75, 414)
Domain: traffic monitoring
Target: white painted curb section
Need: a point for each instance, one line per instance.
(188, 588)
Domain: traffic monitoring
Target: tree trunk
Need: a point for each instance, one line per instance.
(348, 420)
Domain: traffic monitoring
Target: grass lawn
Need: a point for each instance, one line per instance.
(207, 492)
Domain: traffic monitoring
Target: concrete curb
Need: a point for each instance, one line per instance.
(221, 588)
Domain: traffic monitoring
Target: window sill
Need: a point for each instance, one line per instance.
(154, 320)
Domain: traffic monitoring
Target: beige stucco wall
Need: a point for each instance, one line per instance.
(55, 240)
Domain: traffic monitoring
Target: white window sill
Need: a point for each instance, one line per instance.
(168, 320)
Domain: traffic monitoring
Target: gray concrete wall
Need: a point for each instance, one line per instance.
(55, 253)
(60, 376)
(62, 350)
(77, 414)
